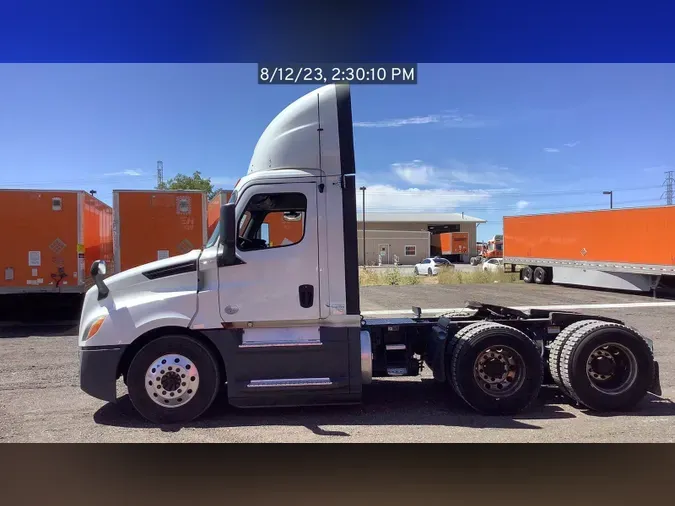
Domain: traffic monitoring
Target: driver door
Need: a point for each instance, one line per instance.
(278, 277)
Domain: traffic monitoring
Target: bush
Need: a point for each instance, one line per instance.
(391, 277)
(479, 276)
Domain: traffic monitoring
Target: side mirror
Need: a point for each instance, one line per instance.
(98, 270)
(228, 234)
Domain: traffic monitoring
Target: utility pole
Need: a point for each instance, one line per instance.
(160, 173)
(611, 204)
(668, 183)
(363, 222)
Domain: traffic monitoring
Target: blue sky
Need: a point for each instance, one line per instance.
(488, 140)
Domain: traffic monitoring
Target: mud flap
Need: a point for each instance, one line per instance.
(655, 387)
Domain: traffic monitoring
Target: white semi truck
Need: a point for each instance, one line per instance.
(280, 324)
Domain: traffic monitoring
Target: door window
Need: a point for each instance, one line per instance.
(272, 220)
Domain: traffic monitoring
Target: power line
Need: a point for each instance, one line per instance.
(668, 183)
(513, 207)
(436, 192)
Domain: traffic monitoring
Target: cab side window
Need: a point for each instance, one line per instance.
(273, 220)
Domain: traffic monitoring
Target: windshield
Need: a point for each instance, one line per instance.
(216, 232)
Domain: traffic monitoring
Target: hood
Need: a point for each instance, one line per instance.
(154, 270)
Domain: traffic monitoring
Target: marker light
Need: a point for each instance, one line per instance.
(95, 328)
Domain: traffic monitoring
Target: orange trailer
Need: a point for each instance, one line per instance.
(153, 224)
(220, 199)
(623, 242)
(276, 228)
(51, 238)
(455, 243)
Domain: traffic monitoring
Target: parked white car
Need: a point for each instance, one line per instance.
(494, 264)
(432, 266)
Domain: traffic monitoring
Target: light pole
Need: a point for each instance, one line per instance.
(610, 198)
(363, 222)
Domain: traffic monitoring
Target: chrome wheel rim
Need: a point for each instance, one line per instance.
(172, 380)
(499, 371)
(611, 368)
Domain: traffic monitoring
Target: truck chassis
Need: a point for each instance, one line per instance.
(497, 358)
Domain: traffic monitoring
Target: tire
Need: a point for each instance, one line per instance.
(528, 274)
(194, 355)
(540, 276)
(430, 272)
(600, 390)
(555, 351)
(416, 272)
(505, 397)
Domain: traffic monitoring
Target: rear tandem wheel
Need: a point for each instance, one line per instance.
(494, 368)
(606, 366)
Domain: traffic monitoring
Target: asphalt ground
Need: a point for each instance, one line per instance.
(40, 399)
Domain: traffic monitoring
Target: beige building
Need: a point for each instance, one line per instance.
(408, 238)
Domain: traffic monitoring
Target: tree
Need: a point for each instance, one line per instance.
(193, 182)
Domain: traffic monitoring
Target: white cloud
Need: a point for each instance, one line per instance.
(522, 204)
(393, 123)
(551, 150)
(415, 172)
(382, 198)
(128, 172)
(454, 174)
(658, 168)
(572, 144)
(451, 119)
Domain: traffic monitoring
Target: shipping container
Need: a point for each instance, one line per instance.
(153, 224)
(220, 199)
(51, 238)
(455, 243)
(627, 249)
(453, 246)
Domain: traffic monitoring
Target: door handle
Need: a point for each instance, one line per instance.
(306, 294)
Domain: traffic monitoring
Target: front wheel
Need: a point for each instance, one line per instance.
(416, 271)
(173, 379)
(430, 272)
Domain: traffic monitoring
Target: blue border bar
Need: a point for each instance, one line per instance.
(324, 31)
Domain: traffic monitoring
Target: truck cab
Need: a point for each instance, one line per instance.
(280, 320)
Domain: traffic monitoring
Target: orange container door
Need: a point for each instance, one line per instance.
(40, 234)
(460, 243)
(97, 235)
(446, 243)
(155, 225)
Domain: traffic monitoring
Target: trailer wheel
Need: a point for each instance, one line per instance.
(173, 379)
(527, 274)
(540, 276)
(555, 351)
(606, 366)
(496, 369)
